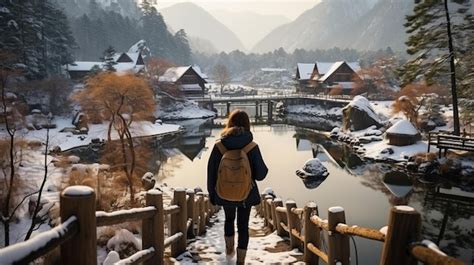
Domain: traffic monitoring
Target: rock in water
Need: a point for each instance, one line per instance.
(312, 168)
(359, 115)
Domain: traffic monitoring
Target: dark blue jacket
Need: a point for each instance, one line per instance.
(258, 167)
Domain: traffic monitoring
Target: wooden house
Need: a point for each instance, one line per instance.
(320, 77)
(125, 62)
(188, 79)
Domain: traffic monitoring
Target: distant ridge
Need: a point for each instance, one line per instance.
(361, 24)
(197, 22)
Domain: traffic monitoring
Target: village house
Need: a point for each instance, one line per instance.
(125, 62)
(188, 79)
(320, 77)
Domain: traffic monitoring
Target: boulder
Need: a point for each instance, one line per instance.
(312, 168)
(359, 115)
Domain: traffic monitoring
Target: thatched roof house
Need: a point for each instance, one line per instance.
(402, 133)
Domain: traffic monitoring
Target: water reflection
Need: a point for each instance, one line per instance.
(367, 191)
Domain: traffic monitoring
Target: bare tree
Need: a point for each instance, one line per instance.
(221, 76)
(119, 100)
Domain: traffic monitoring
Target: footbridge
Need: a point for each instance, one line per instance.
(268, 101)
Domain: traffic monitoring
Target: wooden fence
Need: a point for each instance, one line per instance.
(76, 236)
(303, 226)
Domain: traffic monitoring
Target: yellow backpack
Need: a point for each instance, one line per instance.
(234, 176)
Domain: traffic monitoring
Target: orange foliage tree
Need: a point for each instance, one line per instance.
(413, 97)
(336, 91)
(119, 100)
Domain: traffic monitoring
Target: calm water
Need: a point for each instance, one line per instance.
(359, 188)
(366, 191)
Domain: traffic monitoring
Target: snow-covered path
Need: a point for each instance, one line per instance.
(263, 248)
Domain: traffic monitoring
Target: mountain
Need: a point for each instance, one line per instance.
(250, 27)
(361, 24)
(197, 22)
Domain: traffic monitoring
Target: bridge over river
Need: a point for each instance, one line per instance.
(268, 101)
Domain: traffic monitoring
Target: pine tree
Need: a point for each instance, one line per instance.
(183, 51)
(431, 43)
(109, 60)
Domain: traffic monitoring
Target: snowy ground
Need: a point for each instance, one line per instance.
(183, 111)
(267, 249)
(67, 140)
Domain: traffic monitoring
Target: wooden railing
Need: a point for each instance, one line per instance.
(444, 140)
(76, 236)
(303, 226)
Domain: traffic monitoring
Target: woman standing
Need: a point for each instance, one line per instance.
(236, 136)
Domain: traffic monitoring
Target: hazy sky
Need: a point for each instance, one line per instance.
(288, 8)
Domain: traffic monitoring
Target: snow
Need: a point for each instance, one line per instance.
(121, 236)
(404, 127)
(190, 87)
(172, 238)
(336, 209)
(124, 212)
(400, 153)
(68, 140)
(312, 204)
(314, 168)
(431, 245)
(173, 74)
(14, 253)
(78, 191)
(384, 230)
(305, 70)
(135, 48)
(211, 247)
(363, 104)
(111, 258)
(136, 256)
(182, 111)
(404, 208)
(330, 71)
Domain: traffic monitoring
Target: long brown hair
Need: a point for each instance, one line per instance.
(238, 121)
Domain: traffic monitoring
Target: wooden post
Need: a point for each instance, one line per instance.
(291, 217)
(404, 226)
(190, 211)
(277, 202)
(260, 207)
(339, 251)
(270, 110)
(79, 201)
(207, 209)
(153, 228)
(228, 109)
(311, 234)
(274, 219)
(202, 214)
(256, 109)
(179, 221)
(269, 214)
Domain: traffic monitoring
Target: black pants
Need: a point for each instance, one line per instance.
(243, 215)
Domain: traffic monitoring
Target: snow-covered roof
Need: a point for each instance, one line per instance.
(363, 104)
(197, 69)
(403, 127)
(273, 69)
(174, 73)
(83, 66)
(305, 70)
(330, 71)
(325, 69)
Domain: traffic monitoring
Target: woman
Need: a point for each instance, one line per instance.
(236, 135)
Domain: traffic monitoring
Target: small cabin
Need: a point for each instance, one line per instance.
(189, 80)
(402, 133)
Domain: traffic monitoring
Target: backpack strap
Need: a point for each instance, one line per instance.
(249, 147)
(221, 147)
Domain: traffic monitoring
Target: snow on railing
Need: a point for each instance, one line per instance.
(24, 252)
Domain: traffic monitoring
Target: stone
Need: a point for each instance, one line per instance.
(359, 115)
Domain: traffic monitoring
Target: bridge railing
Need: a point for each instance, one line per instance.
(76, 236)
(278, 96)
(304, 228)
